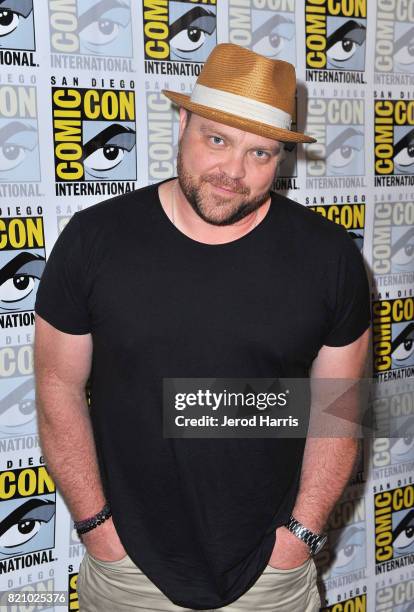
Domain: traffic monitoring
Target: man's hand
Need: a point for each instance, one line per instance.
(103, 542)
(289, 552)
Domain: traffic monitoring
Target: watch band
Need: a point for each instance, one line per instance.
(315, 541)
(93, 521)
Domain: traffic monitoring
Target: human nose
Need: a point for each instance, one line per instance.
(233, 166)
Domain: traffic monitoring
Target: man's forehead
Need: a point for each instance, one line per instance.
(205, 125)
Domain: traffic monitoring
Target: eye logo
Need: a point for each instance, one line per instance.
(17, 407)
(19, 148)
(335, 36)
(22, 261)
(17, 25)
(349, 549)
(179, 31)
(91, 27)
(393, 238)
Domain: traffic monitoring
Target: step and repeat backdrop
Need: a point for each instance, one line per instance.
(82, 119)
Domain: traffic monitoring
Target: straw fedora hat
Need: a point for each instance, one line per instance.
(245, 90)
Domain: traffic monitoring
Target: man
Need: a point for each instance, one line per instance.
(199, 277)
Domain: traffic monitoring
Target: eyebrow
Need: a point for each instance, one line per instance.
(23, 7)
(14, 396)
(402, 336)
(356, 32)
(20, 512)
(96, 11)
(404, 142)
(404, 523)
(404, 39)
(402, 240)
(341, 138)
(12, 128)
(267, 27)
(188, 18)
(103, 138)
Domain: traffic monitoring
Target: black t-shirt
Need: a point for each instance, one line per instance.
(198, 516)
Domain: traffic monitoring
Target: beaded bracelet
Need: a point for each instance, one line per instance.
(93, 521)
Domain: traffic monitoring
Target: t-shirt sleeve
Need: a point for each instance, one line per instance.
(61, 297)
(349, 295)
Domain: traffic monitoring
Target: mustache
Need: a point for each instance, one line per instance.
(222, 180)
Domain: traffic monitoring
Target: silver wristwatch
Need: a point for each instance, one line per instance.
(315, 541)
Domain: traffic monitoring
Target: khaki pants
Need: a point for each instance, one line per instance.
(109, 586)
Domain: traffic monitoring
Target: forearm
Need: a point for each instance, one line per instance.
(326, 469)
(68, 446)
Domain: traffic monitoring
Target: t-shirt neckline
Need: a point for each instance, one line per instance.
(256, 231)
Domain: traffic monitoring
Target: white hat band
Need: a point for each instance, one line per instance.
(241, 106)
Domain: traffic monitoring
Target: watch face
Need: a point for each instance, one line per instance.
(320, 544)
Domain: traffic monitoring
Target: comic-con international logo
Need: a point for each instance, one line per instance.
(393, 410)
(22, 260)
(17, 33)
(94, 136)
(19, 141)
(394, 142)
(395, 597)
(357, 603)
(337, 159)
(343, 559)
(394, 42)
(350, 216)
(178, 35)
(393, 338)
(394, 528)
(98, 33)
(335, 40)
(27, 517)
(264, 26)
(287, 170)
(393, 243)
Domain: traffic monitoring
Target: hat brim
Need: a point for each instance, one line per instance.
(248, 125)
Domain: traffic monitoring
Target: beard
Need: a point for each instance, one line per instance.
(212, 207)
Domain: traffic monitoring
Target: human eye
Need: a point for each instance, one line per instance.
(216, 140)
(261, 155)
